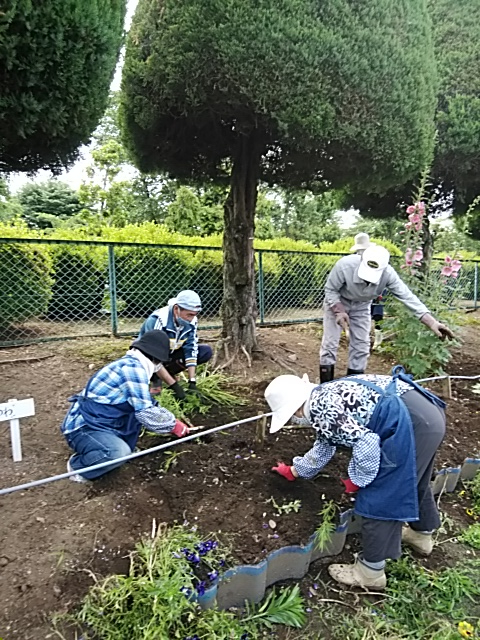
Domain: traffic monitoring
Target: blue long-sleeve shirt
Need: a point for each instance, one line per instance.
(182, 335)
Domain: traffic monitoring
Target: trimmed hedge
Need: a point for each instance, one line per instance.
(74, 280)
(25, 280)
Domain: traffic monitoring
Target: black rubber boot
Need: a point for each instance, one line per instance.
(352, 372)
(326, 372)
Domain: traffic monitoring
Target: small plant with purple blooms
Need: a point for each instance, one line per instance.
(159, 596)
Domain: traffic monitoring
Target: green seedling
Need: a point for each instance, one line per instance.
(471, 535)
(286, 507)
(286, 607)
(326, 528)
(171, 460)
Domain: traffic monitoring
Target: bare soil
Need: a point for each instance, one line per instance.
(53, 536)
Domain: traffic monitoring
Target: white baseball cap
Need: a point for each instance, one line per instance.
(362, 241)
(374, 262)
(189, 300)
(285, 394)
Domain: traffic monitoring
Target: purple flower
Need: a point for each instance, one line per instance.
(245, 636)
(222, 562)
(176, 555)
(308, 610)
(186, 591)
(238, 456)
(212, 575)
(265, 525)
(275, 535)
(201, 586)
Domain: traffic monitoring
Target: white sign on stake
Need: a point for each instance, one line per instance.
(12, 411)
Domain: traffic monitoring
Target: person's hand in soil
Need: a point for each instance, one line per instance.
(177, 390)
(286, 471)
(350, 487)
(180, 429)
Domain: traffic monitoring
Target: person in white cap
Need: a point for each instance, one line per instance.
(361, 242)
(354, 282)
(393, 427)
(179, 321)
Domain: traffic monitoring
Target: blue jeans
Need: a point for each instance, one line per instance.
(93, 446)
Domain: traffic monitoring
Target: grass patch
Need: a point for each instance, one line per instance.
(418, 603)
(100, 352)
(156, 600)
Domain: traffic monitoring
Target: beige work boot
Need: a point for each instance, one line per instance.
(358, 575)
(420, 542)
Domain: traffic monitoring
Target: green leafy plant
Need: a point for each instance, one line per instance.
(286, 507)
(158, 597)
(171, 460)
(286, 607)
(471, 535)
(411, 343)
(326, 528)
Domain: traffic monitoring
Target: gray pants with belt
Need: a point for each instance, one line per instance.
(381, 539)
(359, 345)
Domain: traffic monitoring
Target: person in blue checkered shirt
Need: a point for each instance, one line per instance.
(393, 427)
(106, 418)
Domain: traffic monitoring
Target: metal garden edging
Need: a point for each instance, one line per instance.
(249, 582)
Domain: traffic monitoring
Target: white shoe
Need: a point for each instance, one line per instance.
(421, 542)
(77, 477)
(358, 575)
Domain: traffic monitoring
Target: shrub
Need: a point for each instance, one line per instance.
(25, 276)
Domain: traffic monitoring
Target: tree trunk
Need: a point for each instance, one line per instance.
(239, 306)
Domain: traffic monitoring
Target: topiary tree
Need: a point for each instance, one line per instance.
(292, 92)
(57, 59)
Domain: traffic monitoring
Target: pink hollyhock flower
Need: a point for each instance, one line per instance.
(447, 271)
(448, 259)
(408, 257)
(454, 274)
(456, 266)
(421, 207)
(408, 226)
(414, 217)
(411, 209)
(418, 255)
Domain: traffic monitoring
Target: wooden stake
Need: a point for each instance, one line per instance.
(447, 388)
(261, 430)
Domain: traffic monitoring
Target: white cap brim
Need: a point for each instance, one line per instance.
(370, 275)
(283, 415)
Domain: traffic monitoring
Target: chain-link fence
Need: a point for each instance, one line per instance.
(56, 289)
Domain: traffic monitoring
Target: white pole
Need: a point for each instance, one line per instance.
(15, 437)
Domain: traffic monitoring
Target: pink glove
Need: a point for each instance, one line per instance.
(180, 429)
(341, 315)
(284, 470)
(439, 329)
(350, 487)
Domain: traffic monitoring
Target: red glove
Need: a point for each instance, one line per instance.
(350, 487)
(180, 429)
(285, 471)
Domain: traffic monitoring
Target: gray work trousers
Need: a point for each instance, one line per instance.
(381, 539)
(359, 345)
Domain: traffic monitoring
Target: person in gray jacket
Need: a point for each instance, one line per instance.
(351, 286)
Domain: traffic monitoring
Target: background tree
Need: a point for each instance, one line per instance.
(57, 59)
(287, 91)
(10, 208)
(455, 171)
(44, 204)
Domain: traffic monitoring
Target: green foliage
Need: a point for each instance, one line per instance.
(286, 607)
(326, 528)
(25, 274)
(419, 604)
(187, 215)
(57, 59)
(153, 601)
(316, 85)
(10, 208)
(45, 203)
(286, 507)
(343, 245)
(471, 535)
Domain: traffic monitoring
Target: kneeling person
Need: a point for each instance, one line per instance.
(106, 418)
(179, 321)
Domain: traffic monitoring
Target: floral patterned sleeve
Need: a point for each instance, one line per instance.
(313, 461)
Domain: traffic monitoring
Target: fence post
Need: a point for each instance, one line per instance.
(261, 292)
(475, 286)
(112, 283)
